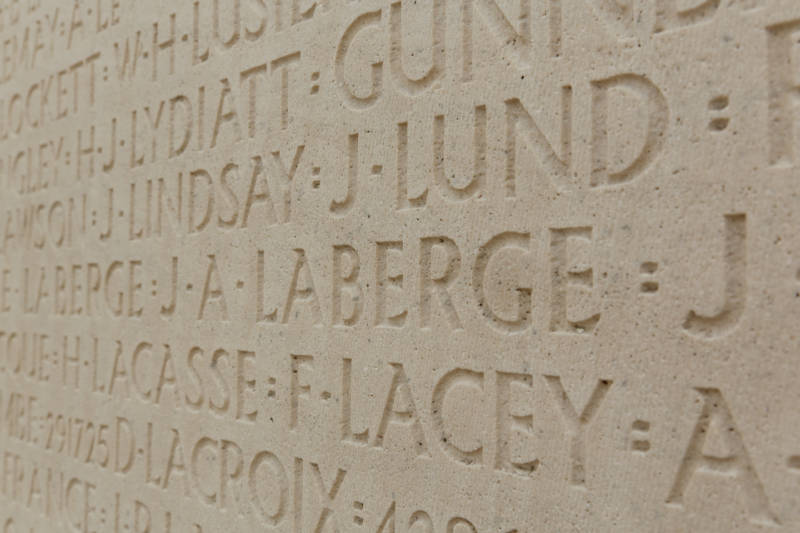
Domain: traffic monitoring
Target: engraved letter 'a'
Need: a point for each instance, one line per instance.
(716, 419)
(725, 320)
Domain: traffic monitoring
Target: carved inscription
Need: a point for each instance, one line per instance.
(455, 266)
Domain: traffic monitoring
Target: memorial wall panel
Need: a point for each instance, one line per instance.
(451, 266)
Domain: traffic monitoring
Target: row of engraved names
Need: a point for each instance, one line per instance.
(241, 104)
(224, 384)
(198, 122)
(429, 282)
(253, 488)
(32, 37)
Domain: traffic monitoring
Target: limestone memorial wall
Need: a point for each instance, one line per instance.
(399, 266)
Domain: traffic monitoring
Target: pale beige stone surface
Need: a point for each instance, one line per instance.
(452, 266)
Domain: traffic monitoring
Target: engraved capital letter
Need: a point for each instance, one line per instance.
(448, 382)
(554, 161)
(657, 121)
(328, 497)
(298, 389)
(371, 18)
(410, 85)
(348, 435)
(784, 92)
(407, 416)
(522, 320)
(345, 281)
(169, 308)
(340, 208)
(447, 188)
(577, 424)
(279, 482)
(723, 322)
(507, 422)
(438, 285)
(562, 277)
(736, 464)
(518, 42)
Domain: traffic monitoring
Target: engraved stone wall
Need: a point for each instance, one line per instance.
(396, 266)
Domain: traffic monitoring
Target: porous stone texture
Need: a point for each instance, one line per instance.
(395, 266)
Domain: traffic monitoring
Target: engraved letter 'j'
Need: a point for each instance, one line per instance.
(723, 322)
